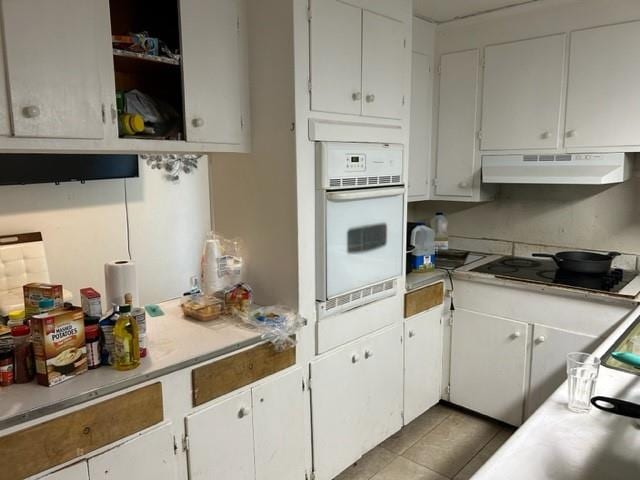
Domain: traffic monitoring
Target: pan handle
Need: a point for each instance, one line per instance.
(547, 255)
(617, 406)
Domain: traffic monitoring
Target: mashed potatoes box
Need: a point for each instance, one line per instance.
(58, 345)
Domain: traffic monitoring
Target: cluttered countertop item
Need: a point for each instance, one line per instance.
(175, 342)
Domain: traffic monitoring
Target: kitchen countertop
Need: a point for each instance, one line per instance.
(465, 273)
(174, 343)
(555, 443)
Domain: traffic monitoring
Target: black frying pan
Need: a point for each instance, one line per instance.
(617, 406)
(582, 262)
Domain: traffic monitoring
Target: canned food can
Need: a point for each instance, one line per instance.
(139, 315)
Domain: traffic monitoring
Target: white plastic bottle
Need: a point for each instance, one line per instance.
(439, 224)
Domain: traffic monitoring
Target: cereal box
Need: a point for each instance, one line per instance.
(58, 345)
(34, 292)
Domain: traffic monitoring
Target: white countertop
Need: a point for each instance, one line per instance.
(555, 443)
(174, 342)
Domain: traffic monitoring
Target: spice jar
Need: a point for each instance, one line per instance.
(6, 368)
(92, 340)
(16, 317)
(22, 354)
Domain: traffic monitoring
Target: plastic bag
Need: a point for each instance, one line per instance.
(221, 265)
(277, 323)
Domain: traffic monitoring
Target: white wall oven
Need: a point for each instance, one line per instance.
(360, 223)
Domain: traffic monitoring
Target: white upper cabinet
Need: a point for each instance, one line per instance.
(420, 137)
(52, 61)
(522, 93)
(5, 122)
(336, 50)
(457, 150)
(358, 60)
(383, 60)
(603, 96)
(213, 87)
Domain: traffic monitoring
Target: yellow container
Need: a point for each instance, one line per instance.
(130, 123)
(126, 342)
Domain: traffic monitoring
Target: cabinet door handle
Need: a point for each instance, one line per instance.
(243, 412)
(197, 122)
(540, 339)
(544, 135)
(368, 354)
(355, 358)
(515, 335)
(370, 98)
(463, 184)
(411, 334)
(31, 111)
(571, 133)
(355, 96)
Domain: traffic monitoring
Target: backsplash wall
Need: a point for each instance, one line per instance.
(84, 226)
(566, 216)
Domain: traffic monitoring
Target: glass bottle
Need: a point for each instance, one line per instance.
(126, 341)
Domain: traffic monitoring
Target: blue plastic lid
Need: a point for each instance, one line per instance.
(46, 303)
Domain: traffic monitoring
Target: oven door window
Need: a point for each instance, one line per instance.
(366, 238)
(363, 242)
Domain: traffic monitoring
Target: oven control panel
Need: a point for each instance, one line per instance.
(355, 163)
(345, 165)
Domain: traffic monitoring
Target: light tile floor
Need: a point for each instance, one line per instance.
(443, 443)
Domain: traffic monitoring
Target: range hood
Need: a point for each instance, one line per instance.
(570, 169)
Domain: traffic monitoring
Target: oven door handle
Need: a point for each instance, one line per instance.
(364, 194)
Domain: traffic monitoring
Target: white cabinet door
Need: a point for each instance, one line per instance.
(210, 31)
(488, 365)
(420, 137)
(549, 361)
(278, 428)
(457, 152)
(78, 471)
(221, 440)
(149, 456)
(336, 57)
(5, 122)
(422, 362)
(337, 393)
(52, 62)
(382, 376)
(522, 97)
(383, 66)
(603, 92)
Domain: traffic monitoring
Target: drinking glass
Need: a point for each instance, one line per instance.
(582, 373)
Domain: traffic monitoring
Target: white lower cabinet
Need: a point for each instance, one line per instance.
(278, 428)
(356, 399)
(149, 456)
(220, 440)
(77, 471)
(489, 364)
(256, 434)
(422, 362)
(548, 361)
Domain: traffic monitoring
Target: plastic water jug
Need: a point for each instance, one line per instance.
(440, 225)
(423, 254)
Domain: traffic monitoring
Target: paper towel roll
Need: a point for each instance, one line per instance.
(120, 279)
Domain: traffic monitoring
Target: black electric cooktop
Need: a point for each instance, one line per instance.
(547, 272)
